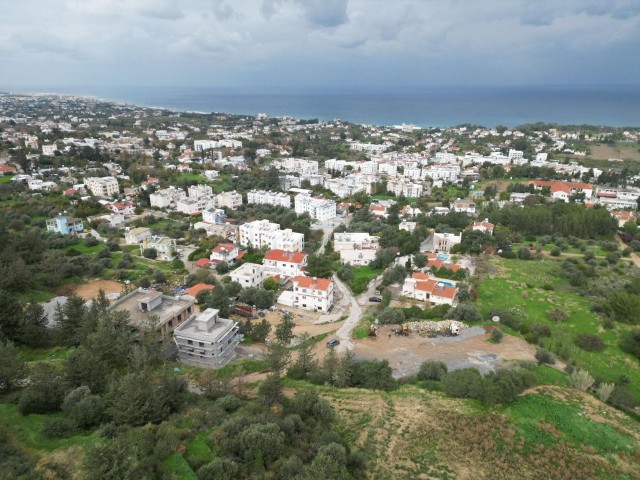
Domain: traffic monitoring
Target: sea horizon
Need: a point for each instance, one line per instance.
(443, 106)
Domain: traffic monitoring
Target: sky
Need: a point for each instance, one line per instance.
(260, 44)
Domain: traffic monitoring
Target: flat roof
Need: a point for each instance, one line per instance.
(169, 308)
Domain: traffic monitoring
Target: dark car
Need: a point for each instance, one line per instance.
(375, 299)
(333, 343)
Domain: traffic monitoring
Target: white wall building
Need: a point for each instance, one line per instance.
(262, 197)
(166, 198)
(102, 186)
(249, 275)
(313, 293)
(262, 233)
(317, 208)
(286, 264)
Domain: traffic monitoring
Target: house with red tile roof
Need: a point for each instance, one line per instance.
(483, 226)
(423, 287)
(197, 288)
(623, 216)
(123, 208)
(202, 263)
(226, 252)
(311, 293)
(284, 263)
(564, 190)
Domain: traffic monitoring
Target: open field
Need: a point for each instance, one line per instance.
(533, 288)
(89, 291)
(547, 432)
(621, 150)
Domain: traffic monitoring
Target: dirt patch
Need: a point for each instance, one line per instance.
(89, 291)
(405, 354)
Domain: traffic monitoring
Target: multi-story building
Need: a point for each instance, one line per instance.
(262, 197)
(465, 206)
(215, 216)
(262, 233)
(286, 264)
(355, 241)
(197, 191)
(64, 225)
(166, 198)
(201, 145)
(317, 208)
(313, 293)
(147, 306)
(225, 252)
(164, 246)
(194, 206)
(206, 340)
(230, 200)
(399, 187)
(249, 275)
(443, 242)
(483, 226)
(102, 186)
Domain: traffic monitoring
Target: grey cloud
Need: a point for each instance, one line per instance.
(325, 13)
(222, 10)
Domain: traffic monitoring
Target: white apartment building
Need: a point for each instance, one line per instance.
(317, 208)
(369, 167)
(206, 340)
(214, 216)
(249, 275)
(355, 241)
(197, 191)
(201, 145)
(230, 200)
(443, 242)
(399, 187)
(102, 186)
(194, 206)
(166, 198)
(286, 264)
(262, 233)
(49, 150)
(516, 157)
(313, 293)
(371, 148)
(446, 173)
(262, 197)
(298, 165)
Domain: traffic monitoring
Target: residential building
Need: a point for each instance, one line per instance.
(165, 246)
(197, 288)
(518, 198)
(483, 226)
(286, 264)
(123, 208)
(144, 306)
(201, 145)
(355, 241)
(249, 275)
(166, 198)
(197, 191)
(262, 233)
(102, 186)
(624, 216)
(64, 225)
(262, 197)
(318, 208)
(226, 252)
(443, 242)
(464, 205)
(564, 190)
(407, 226)
(357, 258)
(421, 286)
(215, 216)
(135, 236)
(194, 206)
(313, 293)
(206, 340)
(230, 200)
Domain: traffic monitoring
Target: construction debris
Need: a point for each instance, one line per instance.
(442, 326)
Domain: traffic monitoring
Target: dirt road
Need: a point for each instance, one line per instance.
(634, 257)
(355, 313)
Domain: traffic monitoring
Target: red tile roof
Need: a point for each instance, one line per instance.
(203, 262)
(314, 284)
(224, 247)
(197, 288)
(284, 256)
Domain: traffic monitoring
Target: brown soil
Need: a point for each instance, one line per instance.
(405, 354)
(89, 291)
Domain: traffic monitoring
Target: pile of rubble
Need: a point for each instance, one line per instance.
(441, 326)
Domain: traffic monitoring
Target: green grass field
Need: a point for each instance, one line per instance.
(534, 288)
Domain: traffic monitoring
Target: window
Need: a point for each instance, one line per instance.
(190, 342)
(201, 344)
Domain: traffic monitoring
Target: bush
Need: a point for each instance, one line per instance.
(543, 356)
(557, 315)
(630, 343)
(219, 469)
(623, 399)
(84, 408)
(555, 252)
(464, 312)
(229, 403)
(604, 391)
(222, 267)
(151, 253)
(432, 370)
(525, 254)
(590, 343)
(496, 335)
(58, 427)
(580, 379)
(464, 383)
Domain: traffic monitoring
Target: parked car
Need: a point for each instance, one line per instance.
(333, 343)
(375, 299)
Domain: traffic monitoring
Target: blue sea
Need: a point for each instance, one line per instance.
(425, 107)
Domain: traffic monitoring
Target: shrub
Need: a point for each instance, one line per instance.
(222, 267)
(229, 403)
(630, 343)
(604, 391)
(496, 335)
(590, 343)
(524, 254)
(58, 427)
(219, 469)
(540, 330)
(464, 312)
(464, 383)
(432, 370)
(84, 408)
(544, 356)
(557, 315)
(580, 379)
(623, 399)
(151, 253)
(555, 252)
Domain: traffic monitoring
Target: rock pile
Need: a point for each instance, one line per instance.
(441, 326)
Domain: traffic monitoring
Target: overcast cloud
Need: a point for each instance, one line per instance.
(315, 43)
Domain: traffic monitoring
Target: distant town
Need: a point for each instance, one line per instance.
(250, 246)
